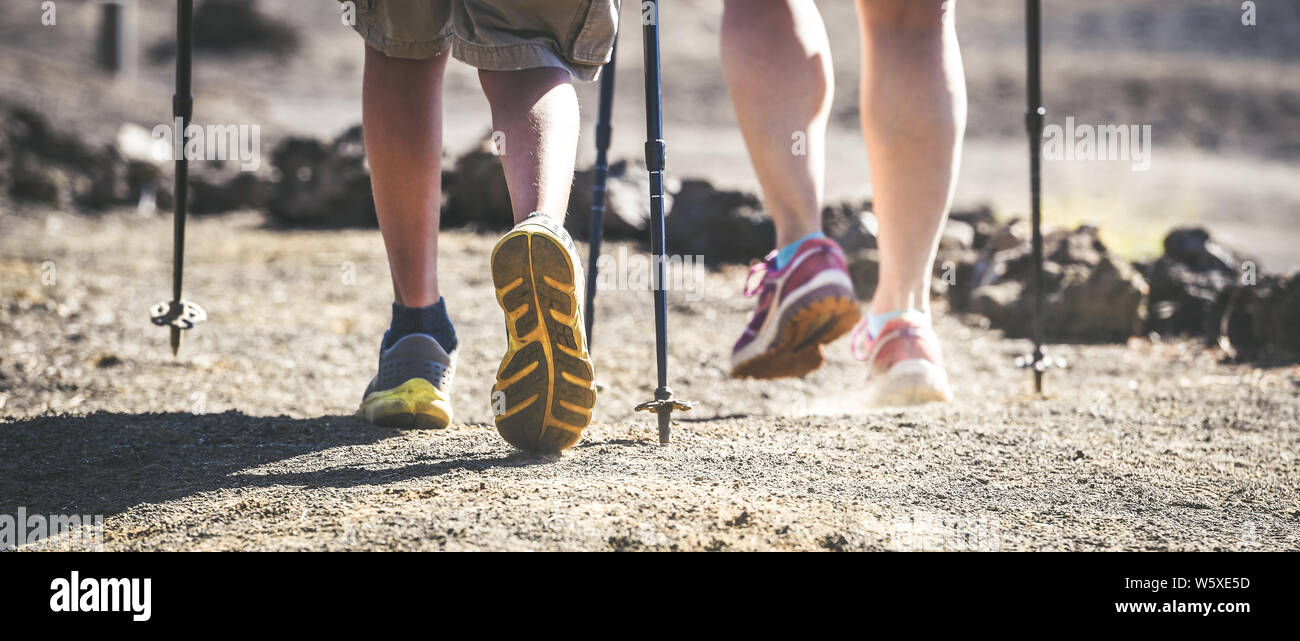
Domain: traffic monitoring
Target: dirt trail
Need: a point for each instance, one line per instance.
(246, 441)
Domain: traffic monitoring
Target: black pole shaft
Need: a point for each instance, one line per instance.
(655, 156)
(604, 134)
(182, 112)
(1034, 116)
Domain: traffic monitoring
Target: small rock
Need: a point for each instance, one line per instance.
(231, 25)
(1014, 233)
(107, 360)
(105, 181)
(627, 201)
(1089, 294)
(479, 195)
(954, 276)
(981, 221)
(852, 226)
(213, 192)
(1260, 320)
(46, 185)
(721, 226)
(957, 235)
(1190, 285)
(864, 270)
(58, 169)
(321, 185)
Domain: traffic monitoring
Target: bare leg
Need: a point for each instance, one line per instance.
(913, 110)
(777, 65)
(545, 387)
(536, 110)
(402, 118)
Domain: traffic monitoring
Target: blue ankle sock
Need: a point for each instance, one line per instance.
(784, 254)
(876, 322)
(431, 320)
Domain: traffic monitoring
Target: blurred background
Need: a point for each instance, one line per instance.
(1223, 100)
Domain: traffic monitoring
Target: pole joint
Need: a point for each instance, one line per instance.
(656, 155)
(604, 134)
(1034, 119)
(183, 106)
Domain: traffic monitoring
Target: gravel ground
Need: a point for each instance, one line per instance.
(247, 440)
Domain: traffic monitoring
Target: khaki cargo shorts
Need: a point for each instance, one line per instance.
(498, 35)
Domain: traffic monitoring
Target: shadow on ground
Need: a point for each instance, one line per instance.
(105, 462)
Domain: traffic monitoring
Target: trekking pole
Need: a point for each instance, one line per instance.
(179, 314)
(655, 158)
(1034, 116)
(600, 171)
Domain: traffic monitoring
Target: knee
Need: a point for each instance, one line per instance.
(776, 29)
(914, 16)
(759, 14)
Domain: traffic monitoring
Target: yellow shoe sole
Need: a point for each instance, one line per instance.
(545, 388)
(415, 403)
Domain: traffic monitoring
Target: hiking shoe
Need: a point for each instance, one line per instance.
(801, 307)
(545, 388)
(412, 388)
(904, 364)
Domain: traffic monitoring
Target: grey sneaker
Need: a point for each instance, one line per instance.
(413, 386)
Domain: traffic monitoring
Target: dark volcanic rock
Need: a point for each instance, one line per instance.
(147, 178)
(478, 195)
(721, 226)
(233, 25)
(627, 201)
(103, 182)
(1191, 284)
(851, 225)
(216, 192)
(957, 236)
(58, 169)
(1261, 320)
(29, 131)
(954, 272)
(6, 159)
(1089, 294)
(981, 221)
(321, 185)
(864, 271)
(29, 180)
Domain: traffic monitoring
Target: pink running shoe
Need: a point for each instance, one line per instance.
(904, 365)
(807, 304)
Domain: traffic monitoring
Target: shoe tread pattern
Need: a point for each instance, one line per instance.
(546, 376)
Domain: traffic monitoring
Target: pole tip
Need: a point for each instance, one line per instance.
(176, 341)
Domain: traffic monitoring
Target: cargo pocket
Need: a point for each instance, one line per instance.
(595, 40)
